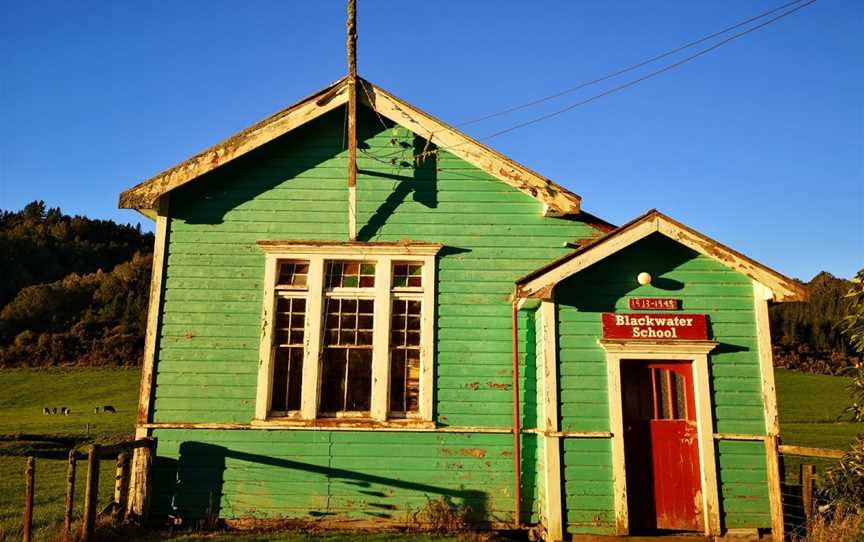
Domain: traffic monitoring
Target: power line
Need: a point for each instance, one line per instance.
(628, 68)
(636, 81)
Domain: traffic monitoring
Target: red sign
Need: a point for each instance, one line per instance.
(654, 304)
(692, 327)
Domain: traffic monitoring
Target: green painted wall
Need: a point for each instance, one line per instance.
(705, 286)
(295, 188)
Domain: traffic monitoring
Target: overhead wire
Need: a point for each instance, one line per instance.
(798, 5)
(649, 75)
(628, 69)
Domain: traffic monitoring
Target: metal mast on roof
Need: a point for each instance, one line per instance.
(352, 119)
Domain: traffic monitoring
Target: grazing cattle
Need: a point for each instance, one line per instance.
(46, 411)
(109, 408)
(54, 410)
(65, 411)
(96, 410)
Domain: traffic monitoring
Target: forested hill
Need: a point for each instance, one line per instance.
(73, 290)
(807, 336)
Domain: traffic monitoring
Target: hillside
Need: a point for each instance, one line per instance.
(73, 290)
(806, 336)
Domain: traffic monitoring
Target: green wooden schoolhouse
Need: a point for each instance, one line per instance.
(455, 331)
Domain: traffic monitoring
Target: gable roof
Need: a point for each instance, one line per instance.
(539, 284)
(558, 200)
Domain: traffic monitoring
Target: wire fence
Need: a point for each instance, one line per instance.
(800, 491)
(46, 498)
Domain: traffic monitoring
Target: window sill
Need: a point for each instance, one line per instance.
(344, 423)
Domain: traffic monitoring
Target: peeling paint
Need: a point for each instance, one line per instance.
(469, 452)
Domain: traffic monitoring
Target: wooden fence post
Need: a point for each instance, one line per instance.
(139, 498)
(807, 472)
(121, 489)
(70, 496)
(772, 453)
(91, 493)
(29, 479)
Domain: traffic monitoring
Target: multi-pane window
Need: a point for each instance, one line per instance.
(350, 333)
(293, 274)
(346, 371)
(347, 274)
(407, 275)
(288, 334)
(288, 355)
(405, 357)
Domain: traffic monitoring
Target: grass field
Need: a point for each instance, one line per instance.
(811, 414)
(26, 392)
(809, 407)
(24, 429)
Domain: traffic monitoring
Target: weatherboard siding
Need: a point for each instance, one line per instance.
(704, 286)
(207, 362)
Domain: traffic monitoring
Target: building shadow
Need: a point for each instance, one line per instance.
(192, 488)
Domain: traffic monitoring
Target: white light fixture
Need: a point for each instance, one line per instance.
(643, 278)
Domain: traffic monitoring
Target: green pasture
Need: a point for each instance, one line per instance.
(811, 414)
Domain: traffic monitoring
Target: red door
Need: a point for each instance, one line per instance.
(661, 447)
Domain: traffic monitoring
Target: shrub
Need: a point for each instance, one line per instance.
(843, 484)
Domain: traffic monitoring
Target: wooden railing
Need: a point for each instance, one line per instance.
(805, 451)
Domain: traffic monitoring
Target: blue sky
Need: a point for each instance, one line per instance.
(758, 144)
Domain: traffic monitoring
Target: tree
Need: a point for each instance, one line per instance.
(853, 327)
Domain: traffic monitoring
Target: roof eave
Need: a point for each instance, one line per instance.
(539, 283)
(145, 195)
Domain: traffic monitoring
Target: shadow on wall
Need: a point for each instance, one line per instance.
(284, 160)
(615, 277)
(423, 182)
(192, 488)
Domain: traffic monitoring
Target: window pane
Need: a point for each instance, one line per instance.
(407, 275)
(333, 379)
(670, 395)
(397, 380)
(280, 381)
(347, 364)
(293, 273)
(288, 357)
(359, 392)
(661, 391)
(679, 397)
(350, 274)
(404, 357)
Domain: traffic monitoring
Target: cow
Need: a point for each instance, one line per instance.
(46, 411)
(109, 409)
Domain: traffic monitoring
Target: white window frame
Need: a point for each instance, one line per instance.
(384, 255)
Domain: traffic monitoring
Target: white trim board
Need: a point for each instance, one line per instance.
(550, 435)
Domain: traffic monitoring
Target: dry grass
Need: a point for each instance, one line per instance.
(839, 525)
